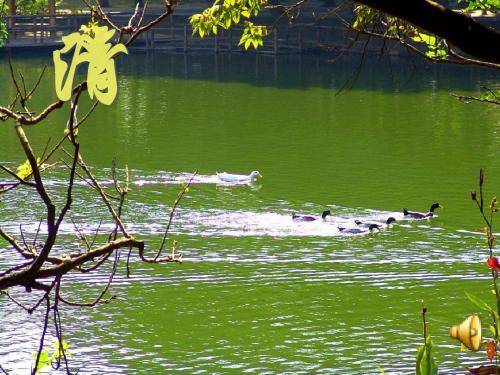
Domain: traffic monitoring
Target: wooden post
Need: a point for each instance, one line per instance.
(152, 38)
(42, 28)
(216, 43)
(230, 46)
(34, 28)
(185, 38)
(52, 17)
(300, 40)
(275, 68)
(12, 12)
(275, 41)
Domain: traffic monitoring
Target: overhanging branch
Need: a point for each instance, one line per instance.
(458, 29)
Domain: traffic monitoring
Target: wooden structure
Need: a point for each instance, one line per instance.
(174, 34)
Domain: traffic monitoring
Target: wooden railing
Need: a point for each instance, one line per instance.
(174, 34)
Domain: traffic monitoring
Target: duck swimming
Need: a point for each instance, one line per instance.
(366, 224)
(296, 217)
(422, 215)
(238, 178)
(359, 230)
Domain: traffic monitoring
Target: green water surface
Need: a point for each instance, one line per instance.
(257, 293)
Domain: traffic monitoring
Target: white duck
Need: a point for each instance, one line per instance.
(238, 178)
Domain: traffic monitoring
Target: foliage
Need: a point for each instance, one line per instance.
(425, 365)
(483, 5)
(47, 360)
(487, 214)
(252, 34)
(230, 13)
(24, 171)
(3, 25)
(373, 21)
(435, 46)
(28, 7)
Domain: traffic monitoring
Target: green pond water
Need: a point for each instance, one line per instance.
(257, 292)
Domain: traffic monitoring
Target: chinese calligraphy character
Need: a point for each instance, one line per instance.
(91, 46)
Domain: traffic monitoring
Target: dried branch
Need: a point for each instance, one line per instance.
(169, 10)
(122, 193)
(58, 328)
(452, 57)
(183, 191)
(16, 176)
(5, 293)
(103, 195)
(14, 243)
(71, 180)
(97, 300)
(42, 338)
(32, 91)
(102, 15)
(81, 236)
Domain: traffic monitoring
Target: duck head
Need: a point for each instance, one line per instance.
(325, 214)
(390, 220)
(434, 206)
(255, 174)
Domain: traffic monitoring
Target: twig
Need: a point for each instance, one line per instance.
(183, 191)
(58, 327)
(13, 243)
(81, 236)
(42, 338)
(103, 196)
(16, 176)
(5, 293)
(103, 292)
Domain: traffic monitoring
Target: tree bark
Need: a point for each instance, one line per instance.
(458, 29)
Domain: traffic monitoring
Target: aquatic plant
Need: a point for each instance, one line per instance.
(425, 365)
(488, 212)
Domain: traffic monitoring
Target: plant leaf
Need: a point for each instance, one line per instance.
(478, 302)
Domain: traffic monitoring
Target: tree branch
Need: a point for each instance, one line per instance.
(458, 29)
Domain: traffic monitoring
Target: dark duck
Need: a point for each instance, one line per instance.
(296, 217)
(366, 224)
(370, 229)
(422, 215)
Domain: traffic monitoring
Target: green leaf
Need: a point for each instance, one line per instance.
(478, 302)
(420, 355)
(245, 13)
(426, 365)
(247, 43)
(492, 330)
(236, 17)
(243, 39)
(43, 361)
